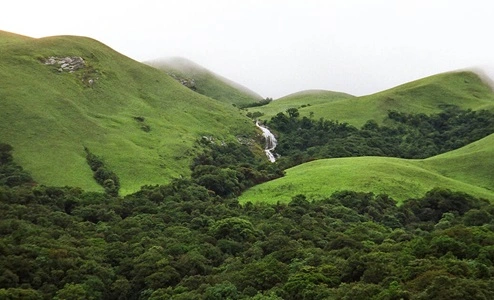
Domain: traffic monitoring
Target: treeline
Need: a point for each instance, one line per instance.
(404, 135)
(180, 241)
(258, 103)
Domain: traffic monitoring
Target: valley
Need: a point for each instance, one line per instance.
(164, 180)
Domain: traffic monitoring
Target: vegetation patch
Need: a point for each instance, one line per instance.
(12, 174)
(142, 124)
(104, 176)
(228, 169)
(258, 103)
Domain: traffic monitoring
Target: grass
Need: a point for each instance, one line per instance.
(49, 116)
(208, 83)
(305, 102)
(468, 169)
(428, 95)
(472, 164)
(7, 38)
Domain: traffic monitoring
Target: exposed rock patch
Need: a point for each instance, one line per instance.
(66, 64)
(70, 64)
(188, 82)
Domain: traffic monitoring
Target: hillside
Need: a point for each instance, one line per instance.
(206, 82)
(427, 95)
(7, 38)
(305, 101)
(472, 164)
(468, 169)
(140, 121)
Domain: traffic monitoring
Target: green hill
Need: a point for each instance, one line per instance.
(206, 82)
(472, 164)
(468, 169)
(306, 101)
(140, 121)
(427, 95)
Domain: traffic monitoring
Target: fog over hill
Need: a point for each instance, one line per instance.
(191, 68)
(204, 81)
(280, 47)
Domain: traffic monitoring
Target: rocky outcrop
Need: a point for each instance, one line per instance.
(70, 64)
(188, 82)
(66, 64)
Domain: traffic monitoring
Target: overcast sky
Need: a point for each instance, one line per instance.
(277, 47)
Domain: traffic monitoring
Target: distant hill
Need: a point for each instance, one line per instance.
(205, 81)
(61, 94)
(428, 95)
(468, 169)
(305, 101)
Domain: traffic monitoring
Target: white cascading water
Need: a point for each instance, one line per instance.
(270, 142)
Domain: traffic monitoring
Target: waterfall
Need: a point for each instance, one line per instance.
(270, 142)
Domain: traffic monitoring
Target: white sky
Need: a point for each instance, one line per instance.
(277, 47)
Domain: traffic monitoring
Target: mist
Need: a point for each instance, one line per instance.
(275, 47)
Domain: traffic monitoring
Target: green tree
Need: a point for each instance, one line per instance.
(73, 291)
(222, 291)
(293, 113)
(234, 228)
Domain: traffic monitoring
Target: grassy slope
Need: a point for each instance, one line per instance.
(468, 169)
(8, 38)
(305, 101)
(472, 164)
(208, 83)
(49, 116)
(427, 95)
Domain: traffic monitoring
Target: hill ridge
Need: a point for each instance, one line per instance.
(427, 95)
(205, 81)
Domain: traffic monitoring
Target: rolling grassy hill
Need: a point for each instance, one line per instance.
(472, 164)
(306, 101)
(468, 169)
(427, 95)
(142, 122)
(206, 82)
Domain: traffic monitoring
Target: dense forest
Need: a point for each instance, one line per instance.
(404, 135)
(191, 239)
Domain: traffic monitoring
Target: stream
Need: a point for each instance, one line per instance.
(270, 142)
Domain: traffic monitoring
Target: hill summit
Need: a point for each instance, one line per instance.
(205, 81)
